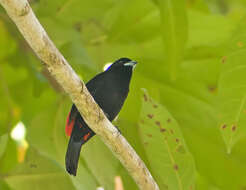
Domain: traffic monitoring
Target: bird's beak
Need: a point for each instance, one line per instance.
(131, 63)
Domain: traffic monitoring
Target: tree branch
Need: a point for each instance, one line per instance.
(22, 15)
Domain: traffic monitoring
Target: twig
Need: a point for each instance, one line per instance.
(22, 15)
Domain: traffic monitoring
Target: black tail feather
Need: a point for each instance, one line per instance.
(72, 156)
(81, 133)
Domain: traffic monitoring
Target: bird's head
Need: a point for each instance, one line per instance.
(123, 64)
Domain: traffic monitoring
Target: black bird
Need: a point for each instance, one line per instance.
(109, 89)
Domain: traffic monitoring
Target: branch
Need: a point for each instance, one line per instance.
(22, 15)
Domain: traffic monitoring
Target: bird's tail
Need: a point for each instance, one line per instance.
(72, 156)
(80, 134)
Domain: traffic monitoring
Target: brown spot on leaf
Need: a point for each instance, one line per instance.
(177, 140)
(240, 44)
(78, 26)
(158, 123)
(223, 126)
(224, 59)
(150, 116)
(175, 167)
(233, 128)
(155, 106)
(146, 143)
(142, 121)
(171, 131)
(33, 166)
(145, 97)
(212, 89)
(168, 120)
(162, 130)
(149, 135)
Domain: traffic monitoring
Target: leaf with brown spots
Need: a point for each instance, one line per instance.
(223, 126)
(223, 59)
(149, 135)
(231, 99)
(167, 153)
(158, 123)
(155, 106)
(162, 130)
(150, 116)
(145, 97)
(175, 167)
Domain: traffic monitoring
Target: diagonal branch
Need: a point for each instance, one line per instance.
(22, 15)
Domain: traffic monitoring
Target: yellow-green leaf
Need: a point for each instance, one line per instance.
(170, 161)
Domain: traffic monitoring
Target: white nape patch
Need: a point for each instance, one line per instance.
(18, 133)
(106, 66)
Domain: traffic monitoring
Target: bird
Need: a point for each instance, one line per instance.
(109, 89)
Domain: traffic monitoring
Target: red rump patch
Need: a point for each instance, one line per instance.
(86, 136)
(69, 126)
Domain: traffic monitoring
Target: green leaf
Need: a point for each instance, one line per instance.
(37, 172)
(232, 90)
(174, 32)
(79, 59)
(82, 10)
(59, 32)
(127, 28)
(8, 160)
(4, 185)
(3, 143)
(202, 27)
(204, 184)
(168, 156)
(46, 132)
(101, 161)
(232, 99)
(7, 44)
(194, 109)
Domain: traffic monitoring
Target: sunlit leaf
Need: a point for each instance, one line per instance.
(47, 133)
(232, 90)
(169, 158)
(4, 185)
(7, 44)
(174, 32)
(38, 172)
(232, 99)
(3, 143)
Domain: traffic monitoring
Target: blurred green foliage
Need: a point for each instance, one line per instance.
(188, 125)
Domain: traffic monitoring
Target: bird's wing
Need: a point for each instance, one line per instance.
(95, 85)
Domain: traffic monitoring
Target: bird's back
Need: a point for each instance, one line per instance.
(109, 93)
